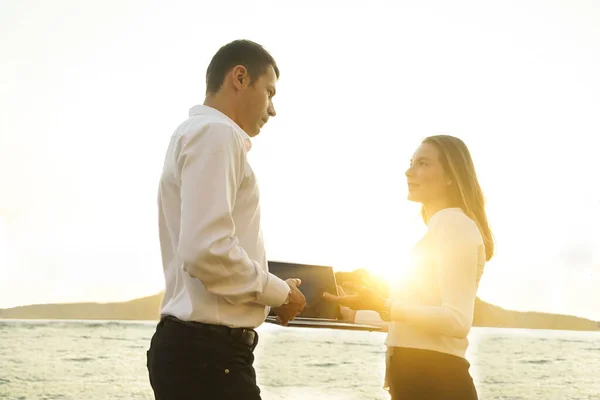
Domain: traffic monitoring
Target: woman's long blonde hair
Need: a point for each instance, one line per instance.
(466, 192)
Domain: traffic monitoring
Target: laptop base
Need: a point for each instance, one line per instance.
(325, 324)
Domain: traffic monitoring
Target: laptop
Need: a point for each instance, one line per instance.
(318, 313)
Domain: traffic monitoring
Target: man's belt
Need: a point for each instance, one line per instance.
(246, 336)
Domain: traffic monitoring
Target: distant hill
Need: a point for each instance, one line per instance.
(147, 308)
(489, 315)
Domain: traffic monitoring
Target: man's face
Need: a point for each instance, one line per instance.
(256, 105)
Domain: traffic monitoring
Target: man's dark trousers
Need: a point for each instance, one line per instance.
(188, 360)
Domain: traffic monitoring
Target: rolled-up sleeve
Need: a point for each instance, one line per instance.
(211, 164)
(456, 255)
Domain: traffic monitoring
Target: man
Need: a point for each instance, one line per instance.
(218, 287)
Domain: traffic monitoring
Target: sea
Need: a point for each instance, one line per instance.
(69, 359)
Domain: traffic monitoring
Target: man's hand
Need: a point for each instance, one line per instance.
(364, 298)
(287, 312)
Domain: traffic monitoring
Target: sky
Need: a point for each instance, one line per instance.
(91, 92)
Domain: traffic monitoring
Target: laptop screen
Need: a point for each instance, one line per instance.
(316, 280)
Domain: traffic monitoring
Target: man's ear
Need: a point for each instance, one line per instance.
(240, 77)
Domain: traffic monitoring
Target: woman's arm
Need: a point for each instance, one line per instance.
(369, 317)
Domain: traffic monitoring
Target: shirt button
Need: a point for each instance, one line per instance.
(226, 371)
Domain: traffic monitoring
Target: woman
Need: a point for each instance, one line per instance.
(432, 312)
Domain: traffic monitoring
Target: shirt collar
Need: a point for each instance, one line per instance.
(438, 214)
(201, 109)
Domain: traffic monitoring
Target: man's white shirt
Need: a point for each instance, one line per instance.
(213, 254)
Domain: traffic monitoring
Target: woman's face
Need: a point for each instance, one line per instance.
(427, 181)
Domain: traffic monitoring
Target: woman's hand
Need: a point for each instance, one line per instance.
(363, 298)
(348, 314)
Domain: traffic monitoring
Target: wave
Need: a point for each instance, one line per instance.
(104, 324)
(79, 359)
(323, 365)
(537, 361)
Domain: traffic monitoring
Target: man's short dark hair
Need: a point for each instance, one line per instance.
(239, 52)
